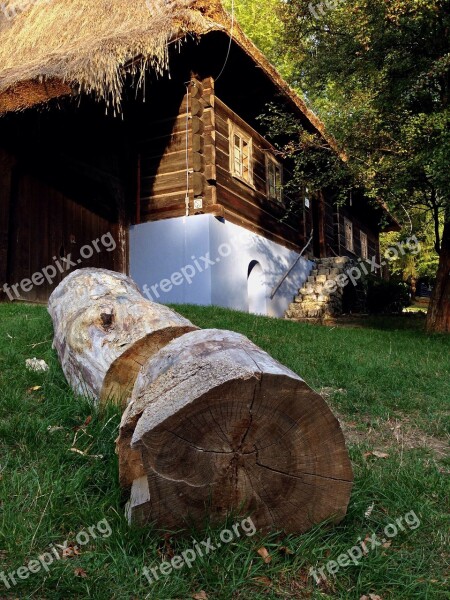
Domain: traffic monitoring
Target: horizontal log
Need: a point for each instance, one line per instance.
(165, 183)
(171, 142)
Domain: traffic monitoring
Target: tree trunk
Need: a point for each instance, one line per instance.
(105, 330)
(413, 285)
(216, 425)
(438, 318)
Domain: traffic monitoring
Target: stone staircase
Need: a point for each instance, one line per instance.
(315, 300)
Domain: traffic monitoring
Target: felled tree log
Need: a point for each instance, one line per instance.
(105, 330)
(215, 425)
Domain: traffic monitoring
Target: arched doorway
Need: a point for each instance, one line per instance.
(256, 289)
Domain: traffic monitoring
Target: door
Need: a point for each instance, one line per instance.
(256, 289)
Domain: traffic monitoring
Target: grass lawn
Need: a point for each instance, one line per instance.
(389, 385)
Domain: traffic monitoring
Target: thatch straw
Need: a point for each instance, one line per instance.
(85, 43)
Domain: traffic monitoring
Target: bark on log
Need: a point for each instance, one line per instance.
(105, 330)
(215, 425)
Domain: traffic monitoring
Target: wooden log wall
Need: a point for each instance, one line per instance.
(56, 199)
(248, 205)
(163, 167)
(200, 127)
(336, 240)
(6, 174)
(181, 145)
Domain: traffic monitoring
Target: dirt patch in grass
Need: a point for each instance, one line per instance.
(393, 433)
(381, 434)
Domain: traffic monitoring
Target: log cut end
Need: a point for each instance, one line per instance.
(215, 425)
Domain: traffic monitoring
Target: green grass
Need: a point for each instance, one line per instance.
(378, 375)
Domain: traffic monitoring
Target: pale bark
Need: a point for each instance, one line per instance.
(105, 330)
(213, 424)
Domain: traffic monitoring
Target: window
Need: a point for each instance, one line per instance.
(364, 246)
(240, 154)
(348, 226)
(274, 178)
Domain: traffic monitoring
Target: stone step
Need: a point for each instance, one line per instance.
(315, 301)
(341, 260)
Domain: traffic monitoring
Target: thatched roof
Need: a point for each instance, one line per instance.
(58, 47)
(55, 46)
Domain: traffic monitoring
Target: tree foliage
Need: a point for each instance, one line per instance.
(262, 22)
(377, 72)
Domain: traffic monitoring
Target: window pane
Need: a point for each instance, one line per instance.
(278, 183)
(274, 180)
(237, 155)
(349, 235)
(364, 246)
(245, 160)
(240, 154)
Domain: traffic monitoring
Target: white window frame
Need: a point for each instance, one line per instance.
(349, 243)
(237, 165)
(272, 162)
(364, 245)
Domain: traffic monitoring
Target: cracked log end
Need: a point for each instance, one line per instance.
(215, 425)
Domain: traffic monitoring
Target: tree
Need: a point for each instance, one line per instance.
(262, 22)
(439, 310)
(413, 266)
(377, 73)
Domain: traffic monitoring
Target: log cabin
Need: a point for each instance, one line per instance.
(130, 140)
